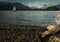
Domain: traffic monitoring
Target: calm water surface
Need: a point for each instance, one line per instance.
(31, 18)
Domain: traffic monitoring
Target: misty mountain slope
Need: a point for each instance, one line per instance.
(5, 6)
(19, 6)
(9, 6)
(52, 8)
(49, 8)
(56, 7)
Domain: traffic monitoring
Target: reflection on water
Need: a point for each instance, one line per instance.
(31, 18)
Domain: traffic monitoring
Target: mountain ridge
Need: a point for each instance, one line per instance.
(9, 6)
(19, 6)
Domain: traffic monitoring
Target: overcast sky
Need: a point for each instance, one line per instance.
(26, 1)
(36, 0)
(35, 3)
(4, 0)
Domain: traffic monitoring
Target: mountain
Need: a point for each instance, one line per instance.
(49, 8)
(56, 7)
(9, 6)
(19, 6)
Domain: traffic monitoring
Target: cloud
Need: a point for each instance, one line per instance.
(38, 4)
(4, 0)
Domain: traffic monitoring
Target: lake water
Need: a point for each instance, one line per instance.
(31, 18)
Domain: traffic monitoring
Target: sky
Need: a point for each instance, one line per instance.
(36, 3)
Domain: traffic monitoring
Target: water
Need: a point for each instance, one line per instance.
(31, 18)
